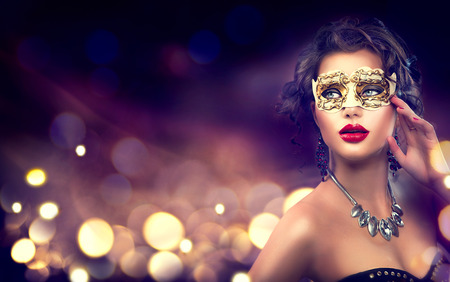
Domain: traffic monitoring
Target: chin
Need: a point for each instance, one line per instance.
(359, 154)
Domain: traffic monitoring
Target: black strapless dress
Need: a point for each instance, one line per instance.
(439, 271)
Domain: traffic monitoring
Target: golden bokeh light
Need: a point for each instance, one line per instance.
(447, 181)
(295, 197)
(219, 208)
(240, 277)
(16, 207)
(49, 210)
(261, 227)
(55, 259)
(241, 245)
(79, 275)
(37, 264)
(260, 195)
(139, 215)
(275, 206)
(80, 150)
(134, 264)
(42, 231)
(95, 237)
(444, 222)
(165, 266)
(163, 231)
(123, 242)
(440, 156)
(204, 273)
(23, 250)
(186, 246)
(224, 200)
(36, 177)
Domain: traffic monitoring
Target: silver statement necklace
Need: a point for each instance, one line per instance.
(387, 227)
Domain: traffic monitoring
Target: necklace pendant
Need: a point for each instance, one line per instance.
(387, 227)
(356, 210)
(397, 219)
(385, 231)
(396, 208)
(393, 227)
(372, 227)
(364, 218)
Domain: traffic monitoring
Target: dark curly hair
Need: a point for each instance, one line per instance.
(350, 35)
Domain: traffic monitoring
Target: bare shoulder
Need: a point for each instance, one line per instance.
(288, 254)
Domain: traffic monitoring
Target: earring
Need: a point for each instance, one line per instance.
(393, 163)
(322, 158)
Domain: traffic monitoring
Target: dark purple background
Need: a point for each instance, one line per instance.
(180, 110)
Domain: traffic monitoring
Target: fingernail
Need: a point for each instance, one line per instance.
(401, 108)
(414, 118)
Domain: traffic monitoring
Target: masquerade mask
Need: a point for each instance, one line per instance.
(365, 87)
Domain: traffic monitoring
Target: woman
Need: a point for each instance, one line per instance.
(360, 85)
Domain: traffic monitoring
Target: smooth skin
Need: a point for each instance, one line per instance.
(318, 239)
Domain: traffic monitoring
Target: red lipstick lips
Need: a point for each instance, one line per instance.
(353, 133)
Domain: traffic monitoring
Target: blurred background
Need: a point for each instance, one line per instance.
(139, 140)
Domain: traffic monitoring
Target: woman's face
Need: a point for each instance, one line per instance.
(354, 133)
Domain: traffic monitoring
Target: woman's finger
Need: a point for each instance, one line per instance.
(415, 124)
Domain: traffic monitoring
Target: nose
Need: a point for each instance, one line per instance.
(351, 112)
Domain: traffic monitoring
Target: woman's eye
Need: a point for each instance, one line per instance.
(371, 91)
(331, 94)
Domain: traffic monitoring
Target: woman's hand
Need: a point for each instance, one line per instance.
(423, 160)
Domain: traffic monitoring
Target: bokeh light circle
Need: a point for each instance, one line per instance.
(102, 46)
(260, 195)
(440, 157)
(444, 222)
(79, 275)
(163, 231)
(80, 150)
(16, 207)
(130, 156)
(101, 268)
(241, 245)
(36, 177)
(165, 266)
(42, 231)
(67, 131)
(95, 237)
(23, 250)
(186, 246)
(447, 181)
(204, 272)
(240, 277)
(204, 47)
(49, 210)
(134, 264)
(261, 227)
(123, 242)
(176, 59)
(219, 208)
(295, 197)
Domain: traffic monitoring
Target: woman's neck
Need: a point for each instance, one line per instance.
(365, 180)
